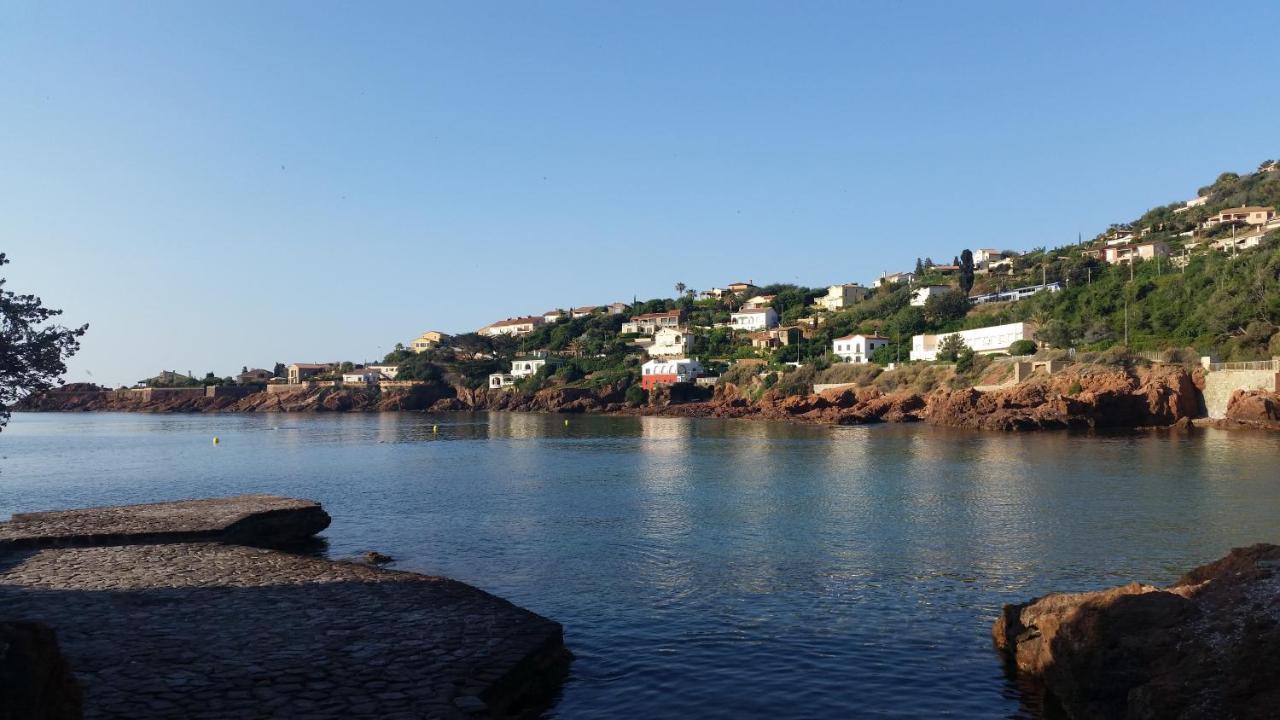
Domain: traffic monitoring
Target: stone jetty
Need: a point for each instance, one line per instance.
(167, 611)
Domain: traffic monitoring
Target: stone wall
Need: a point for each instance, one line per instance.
(1219, 384)
(232, 391)
(149, 394)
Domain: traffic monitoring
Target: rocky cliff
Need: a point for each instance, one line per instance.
(1207, 646)
(1086, 396)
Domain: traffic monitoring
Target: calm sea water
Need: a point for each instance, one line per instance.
(707, 568)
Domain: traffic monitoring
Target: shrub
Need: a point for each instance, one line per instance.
(636, 395)
(950, 347)
(1022, 347)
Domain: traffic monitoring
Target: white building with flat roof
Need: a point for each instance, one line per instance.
(984, 341)
(753, 319)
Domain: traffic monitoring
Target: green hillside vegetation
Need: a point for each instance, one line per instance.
(1214, 303)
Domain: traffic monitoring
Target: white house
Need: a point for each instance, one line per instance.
(758, 301)
(754, 319)
(650, 323)
(1195, 202)
(512, 326)
(921, 295)
(839, 297)
(671, 342)
(551, 316)
(858, 348)
(361, 376)
(897, 278)
(667, 371)
(520, 368)
(984, 341)
(982, 256)
(388, 371)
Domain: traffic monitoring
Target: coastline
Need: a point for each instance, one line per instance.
(1083, 397)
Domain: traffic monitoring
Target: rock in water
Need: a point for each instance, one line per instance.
(1207, 646)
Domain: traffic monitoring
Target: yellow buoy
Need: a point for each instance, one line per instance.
(435, 429)
(215, 439)
(566, 423)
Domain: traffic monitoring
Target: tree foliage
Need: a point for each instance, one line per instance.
(33, 351)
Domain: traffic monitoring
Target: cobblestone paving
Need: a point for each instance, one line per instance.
(170, 521)
(205, 630)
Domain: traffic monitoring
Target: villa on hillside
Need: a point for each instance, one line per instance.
(668, 371)
(1193, 203)
(650, 323)
(255, 375)
(305, 371)
(712, 293)
(775, 338)
(361, 376)
(984, 256)
(897, 278)
(945, 269)
(552, 316)
(617, 308)
(921, 295)
(740, 287)
(520, 368)
(585, 310)
(670, 342)
(513, 326)
(1244, 241)
(839, 297)
(1121, 254)
(758, 301)
(1251, 215)
(985, 341)
(427, 340)
(857, 348)
(754, 319)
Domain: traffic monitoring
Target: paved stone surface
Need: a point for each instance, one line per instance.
(208, 630)
(244, 519)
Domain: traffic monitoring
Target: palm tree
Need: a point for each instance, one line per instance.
(680, 288)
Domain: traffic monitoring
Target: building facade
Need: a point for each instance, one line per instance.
(668, 371)
(427, 340)
(921, 295)
(671, 342)
(839, 297)
(650, 323)
(985, 341)
(858, 348)
(513, 326)
(754, 319)
(305, 371)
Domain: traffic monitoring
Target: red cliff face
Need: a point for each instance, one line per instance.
(1254, 408)
(1207, 646)
(1089, 397)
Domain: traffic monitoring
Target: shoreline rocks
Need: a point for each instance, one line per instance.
(161, 611)
(1082, 397)
(1207, 646)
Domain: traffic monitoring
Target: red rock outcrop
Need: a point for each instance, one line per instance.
(1254, 408)
(1207, 646)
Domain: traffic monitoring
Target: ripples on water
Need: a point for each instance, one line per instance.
(709, 568)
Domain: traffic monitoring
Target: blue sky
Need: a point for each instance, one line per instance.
(237, 183)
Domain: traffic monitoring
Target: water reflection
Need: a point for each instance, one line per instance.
(711, 568)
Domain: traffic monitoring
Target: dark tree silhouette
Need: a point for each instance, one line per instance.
(966, 271)
(33, 354)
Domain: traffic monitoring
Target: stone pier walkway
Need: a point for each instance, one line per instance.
(215, 630)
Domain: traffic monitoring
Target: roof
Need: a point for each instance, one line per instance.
(859, 335)
(647, 316)
(745, 311)
(588, 308)
(1248, 209)
(310, 366)
(518, 321)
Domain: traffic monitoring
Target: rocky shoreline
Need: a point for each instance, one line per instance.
(1082, 397)
(176, 610)
(1207, 646)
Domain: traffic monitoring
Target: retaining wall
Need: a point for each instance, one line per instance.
(1219, 384)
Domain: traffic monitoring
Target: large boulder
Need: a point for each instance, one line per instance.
(1254, 407)
(1207, 646)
